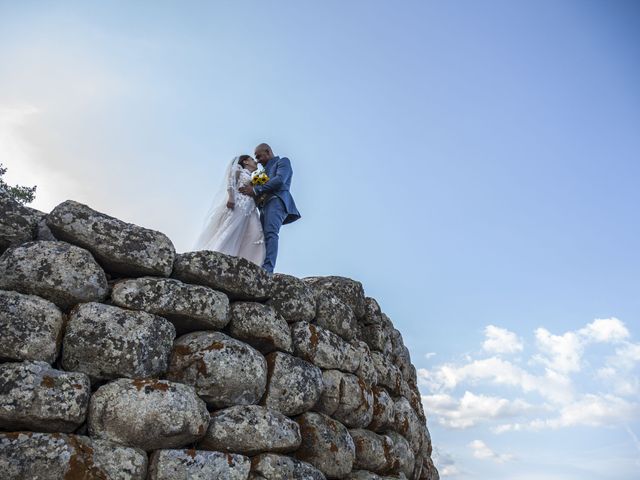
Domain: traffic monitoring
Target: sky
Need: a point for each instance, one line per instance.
(474, 163)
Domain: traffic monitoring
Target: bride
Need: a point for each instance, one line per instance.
(232, 225)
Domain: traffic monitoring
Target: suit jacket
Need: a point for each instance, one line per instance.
(280, 172)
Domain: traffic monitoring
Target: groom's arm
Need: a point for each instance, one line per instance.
(282, 175)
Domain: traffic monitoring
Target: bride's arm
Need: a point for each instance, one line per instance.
(231, 191)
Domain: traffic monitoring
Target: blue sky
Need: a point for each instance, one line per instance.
(474, 164)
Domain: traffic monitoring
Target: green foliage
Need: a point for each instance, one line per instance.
(18, 193)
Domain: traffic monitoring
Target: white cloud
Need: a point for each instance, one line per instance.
(500, 340)
(472, 409)
(605, 330)
(561, 353)
(482, 451)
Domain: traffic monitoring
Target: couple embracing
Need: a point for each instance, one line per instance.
(245, 218)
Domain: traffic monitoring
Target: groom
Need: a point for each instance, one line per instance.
(278, 207)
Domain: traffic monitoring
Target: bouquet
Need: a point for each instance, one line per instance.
(259, 177)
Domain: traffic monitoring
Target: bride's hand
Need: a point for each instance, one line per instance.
(230, 205)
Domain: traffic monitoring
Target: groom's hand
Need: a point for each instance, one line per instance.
(230, 205)
(247, 190)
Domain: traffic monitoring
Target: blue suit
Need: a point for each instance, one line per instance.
(278, 208)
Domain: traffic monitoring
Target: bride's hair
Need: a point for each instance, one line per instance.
(242, 159)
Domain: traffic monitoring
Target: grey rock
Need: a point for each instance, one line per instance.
(223, 370)
(294, 385)
(372, 450)
(280, 467)
(188, 307)
(326, 444)
(34, 396)
(335, 315)
(429, 470)
(292, 299)
(260, 326)
(239, 278)
(376, 336)
(366, 371)
(346, 398)
(147, 414)
(42, 230)
(349, 291)
(250, 430)
(55, 456)
(57, 271)
(197, 465)
(362, 475)
(372, 312)
(31, 327)
(388, 374)
(107, 342)
(383, 411)
(408, 424)
(401, 455)
(321, 347)
(122, 248)
(17, 223)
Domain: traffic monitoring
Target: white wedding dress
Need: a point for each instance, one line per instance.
(236, 231)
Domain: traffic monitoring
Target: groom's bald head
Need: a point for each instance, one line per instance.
(263, 153)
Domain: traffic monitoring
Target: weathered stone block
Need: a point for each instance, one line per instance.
(349, 291)
(55, 456)
(107, 342)
(188, 307)
(372, 450)
(372, 312)
(335, 315)
(294, 386)
(321, 347)
(401, 455)
(239, 278)
(346, 398)
(383, 411)
(34, 396)
(147, 414)
(326, 444)
(280, 467)
(122, 248)
(366, 371)
(292, 299)
(197, 465)
(42, 230)
(408, 424)
(57, 271)
(31, 327)
(260, 326)
(388, 374)
(250, 430)
(223, 370)
(376, 336)
(17, 223)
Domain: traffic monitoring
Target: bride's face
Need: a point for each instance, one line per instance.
(250, 164)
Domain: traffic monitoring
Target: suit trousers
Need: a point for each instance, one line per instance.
(272, 215)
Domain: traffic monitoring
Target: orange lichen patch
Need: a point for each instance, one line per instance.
(15, 435)
(214, 346)
(229, 460)
(181, 350)
(314, 338)
(81, 465)
(201, 430)
(191, 452)
(404, 426)
(333, 447)
(152, 384)
(47, 381)
(77, 386)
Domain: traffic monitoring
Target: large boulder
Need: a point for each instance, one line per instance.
(346, 398)
(323, 347)
(107, 342)
(335, 315)
(250, 430)
(239, 278)
(122, 248)
(326, 444)
(292, 299)
(372, 312)
(34, 396)
(388, 374)
(408, 424)
(17, 224)
(260, 326)
(366, 371)
(377, 337)
(223, 370)
(383, 411)
(294, 386)
(188, 307)
(197, 465)
(280, 467)
(60, 272)
(147, 414)
(401, 455)
(31, 327)
(372, 450)
(349, 291)
(55, 456)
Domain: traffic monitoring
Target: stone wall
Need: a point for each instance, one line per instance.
(120, 359)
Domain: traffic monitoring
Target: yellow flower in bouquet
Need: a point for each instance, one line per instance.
(259, 177)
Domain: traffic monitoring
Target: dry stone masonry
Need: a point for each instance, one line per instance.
(122, 359)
